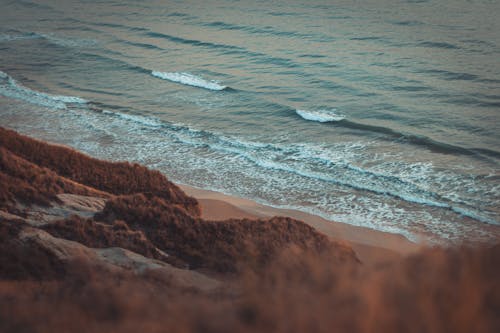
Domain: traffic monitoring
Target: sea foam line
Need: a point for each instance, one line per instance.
(264, 156)
(188, 79)
(12, 89)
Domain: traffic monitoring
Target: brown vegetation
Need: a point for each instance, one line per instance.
(435, 291)
(98, 235)
(290, 277)
(25, 182)
(224, 246)
(161, 216)
(21, 260)
(116, 178)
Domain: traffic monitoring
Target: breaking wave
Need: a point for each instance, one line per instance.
(310, 162)
(321, 116)
(12, 89)
(189, 80)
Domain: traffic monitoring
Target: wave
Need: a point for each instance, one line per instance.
(225, 49)
(267, 30)
(420, 140)
(408, 23)
(189, 79)
(309, 162)
(193, 42)
(441, 45)
(67, 41)
(450, 76)
(147, 121)
(14, 37)
(325, 116)
(141, 45)
(119, 64)
(30, 4)
(115, 25)
(321, 116)
(12, 89)
(51, 38)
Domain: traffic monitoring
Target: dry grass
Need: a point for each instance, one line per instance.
(223, 246)
(290, 277)
(98, 235)
(435, 291)
(115, 178)
(25, 182)
(25, 260)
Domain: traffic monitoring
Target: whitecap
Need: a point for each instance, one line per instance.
(321, 116)
(189, 79)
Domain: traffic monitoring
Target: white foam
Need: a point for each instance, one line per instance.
(148, 121)
(68, 41)
(304, 164)
(188, 79)
(321, 116)
(475, 215)
(296, 171)
(269, 156)
(10, 88)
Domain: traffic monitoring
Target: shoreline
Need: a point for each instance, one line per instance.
(371, 246)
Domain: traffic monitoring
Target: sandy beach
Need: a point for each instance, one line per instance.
(371, 246)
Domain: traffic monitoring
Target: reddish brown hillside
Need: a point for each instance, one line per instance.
(154, 213)
(220, 245)
(112, 177)
(98, 235)
(435, 291)
(27, 183)
(25, 260)
(79, 274)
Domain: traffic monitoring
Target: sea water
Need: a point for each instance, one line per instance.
(383, 114)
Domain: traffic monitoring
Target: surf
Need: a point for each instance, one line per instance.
(309, 162)
(10, 88)
(330, 116)
(189, 80)
(322, 116)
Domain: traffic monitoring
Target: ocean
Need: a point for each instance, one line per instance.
(383, 114)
